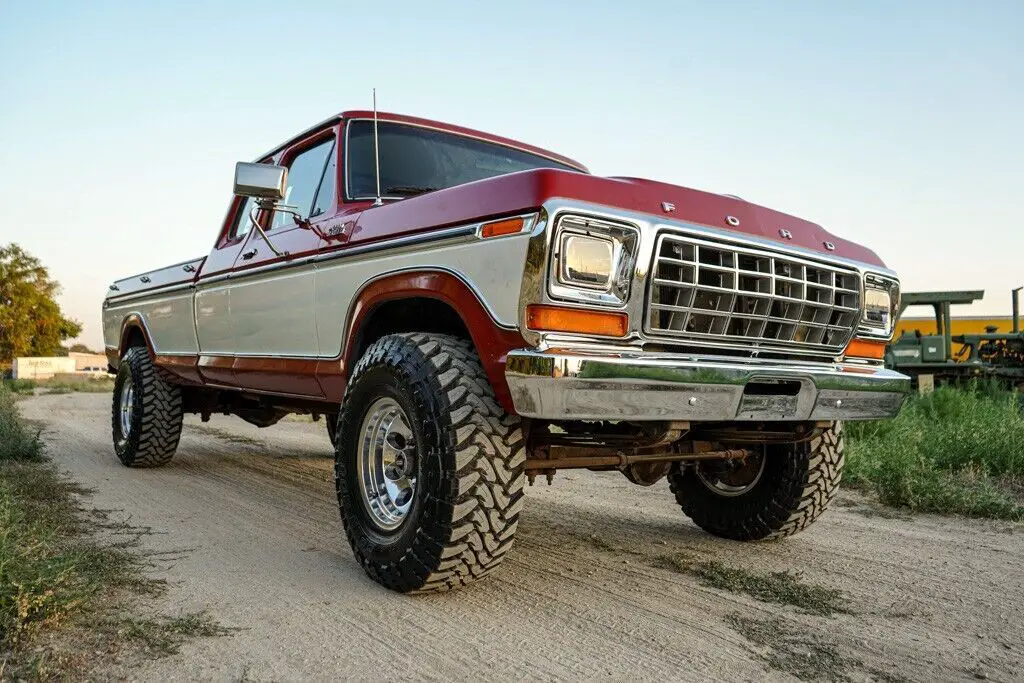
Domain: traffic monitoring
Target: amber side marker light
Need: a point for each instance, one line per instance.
(866, 348)
(558, 319)
(499, 228)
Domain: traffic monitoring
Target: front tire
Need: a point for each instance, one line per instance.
(429, 469)
(775, 493)
(146, 414)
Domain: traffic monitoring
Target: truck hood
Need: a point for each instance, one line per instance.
(517, 192)
(723, 212)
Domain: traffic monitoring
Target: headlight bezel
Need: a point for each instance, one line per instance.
(624, 240)
(886, 327)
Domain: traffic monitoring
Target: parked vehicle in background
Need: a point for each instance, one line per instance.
(473, 312)
(993, 355)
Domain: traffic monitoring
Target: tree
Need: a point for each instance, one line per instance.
(31, 322)
(82, 348)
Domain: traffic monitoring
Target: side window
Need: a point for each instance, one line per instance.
(304, 175)
(243, 221)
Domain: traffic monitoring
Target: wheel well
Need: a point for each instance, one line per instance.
(133, 336)
(417, 314)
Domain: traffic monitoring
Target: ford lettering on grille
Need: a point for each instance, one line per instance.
(702, 289)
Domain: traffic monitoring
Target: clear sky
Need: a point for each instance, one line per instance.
(899, 125)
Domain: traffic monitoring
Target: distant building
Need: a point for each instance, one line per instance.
(46, 368)
(89, 362)
(42, 368)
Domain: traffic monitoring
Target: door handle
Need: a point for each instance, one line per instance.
(248, 255)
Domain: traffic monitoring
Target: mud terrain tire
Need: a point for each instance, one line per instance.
(152, 412)
(331, 422)
(795, 486)
(467, 464)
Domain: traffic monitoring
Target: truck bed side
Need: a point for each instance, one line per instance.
(161, 301)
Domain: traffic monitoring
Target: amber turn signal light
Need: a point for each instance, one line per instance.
(866, 348)
(505, 227)
(559, 319)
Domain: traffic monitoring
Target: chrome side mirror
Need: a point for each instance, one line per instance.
(262, 181)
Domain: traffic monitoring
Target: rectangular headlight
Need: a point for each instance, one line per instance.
(585, 261)
(881, 306)
(592, 260)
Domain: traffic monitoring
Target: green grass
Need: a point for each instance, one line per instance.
(17, 441)
(794, 649)
(164, 635)
(20, 386)
(58, 573)
(953, 451)
(61, 384)
(783, 588)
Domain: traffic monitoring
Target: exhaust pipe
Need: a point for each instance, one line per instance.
(1016, 297)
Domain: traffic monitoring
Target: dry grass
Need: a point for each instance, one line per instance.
(783, 588)
(65, 570)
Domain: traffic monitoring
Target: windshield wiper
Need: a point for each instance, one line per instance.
(409, 189)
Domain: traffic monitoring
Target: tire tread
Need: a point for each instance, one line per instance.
(159, 404)
(482, 481)
(807, 479)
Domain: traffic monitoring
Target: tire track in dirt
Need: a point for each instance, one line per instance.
(250, 516)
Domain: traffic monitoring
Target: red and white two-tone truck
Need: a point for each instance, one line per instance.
(468, 312)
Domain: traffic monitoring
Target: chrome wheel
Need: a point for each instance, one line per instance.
(732, 478)
(127, 406)
(386, 463)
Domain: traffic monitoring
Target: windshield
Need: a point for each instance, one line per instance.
(415, 160)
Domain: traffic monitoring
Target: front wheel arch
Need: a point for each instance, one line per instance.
(490, 340)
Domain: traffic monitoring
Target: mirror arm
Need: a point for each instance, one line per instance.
(303, 223)
(270, 206)
(256, 224)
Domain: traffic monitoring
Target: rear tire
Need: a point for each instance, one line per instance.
(436, 506)
(146, 413)
(787, 492)
(331, 419)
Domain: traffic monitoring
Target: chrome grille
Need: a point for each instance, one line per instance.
(702, 289)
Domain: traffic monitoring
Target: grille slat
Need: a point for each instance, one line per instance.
(703, 289)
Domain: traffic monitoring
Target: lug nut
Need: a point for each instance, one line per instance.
(403, 497)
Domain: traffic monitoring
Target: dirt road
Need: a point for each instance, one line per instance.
(249, 523)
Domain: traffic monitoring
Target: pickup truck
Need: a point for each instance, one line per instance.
(468, 312)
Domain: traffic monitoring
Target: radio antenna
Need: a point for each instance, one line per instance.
(376, 149)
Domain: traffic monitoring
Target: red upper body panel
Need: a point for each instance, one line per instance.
(359, 222)
(530, 189)
(526, 190)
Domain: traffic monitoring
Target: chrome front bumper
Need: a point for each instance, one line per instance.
(560, 385)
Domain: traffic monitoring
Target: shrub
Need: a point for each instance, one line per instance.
(954, 450)
(20, 386)
(17, 441)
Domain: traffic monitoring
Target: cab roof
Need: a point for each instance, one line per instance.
(428, 123)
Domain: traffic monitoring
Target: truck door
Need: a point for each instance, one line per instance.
(214, 326)
(273, 294)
